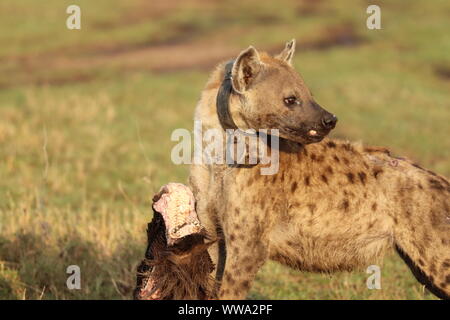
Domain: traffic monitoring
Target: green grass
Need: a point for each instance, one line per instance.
(85, 145)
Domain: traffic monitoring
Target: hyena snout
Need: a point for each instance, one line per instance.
(321, 118)
(329, 121)
(310, 129)
(317, 123)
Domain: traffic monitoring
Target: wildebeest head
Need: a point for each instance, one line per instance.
(177, 264)
(177, 272)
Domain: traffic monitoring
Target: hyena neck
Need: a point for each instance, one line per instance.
(289, 146)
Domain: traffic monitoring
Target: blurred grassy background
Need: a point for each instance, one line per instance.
(86, 117)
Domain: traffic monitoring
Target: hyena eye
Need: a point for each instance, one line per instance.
(291, 101)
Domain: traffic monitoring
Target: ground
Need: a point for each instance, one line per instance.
(86, 118)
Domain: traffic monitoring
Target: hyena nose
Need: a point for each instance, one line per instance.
(329, 121)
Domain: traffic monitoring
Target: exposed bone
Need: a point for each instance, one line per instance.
(176, 203)
(177, 264)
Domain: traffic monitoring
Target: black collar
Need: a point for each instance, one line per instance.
(223, 97)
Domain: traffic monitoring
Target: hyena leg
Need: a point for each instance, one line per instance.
(199, 182)
(205, 193)
(422, 239)
(247, 249)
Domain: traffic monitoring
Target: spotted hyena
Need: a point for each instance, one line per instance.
(331, 206)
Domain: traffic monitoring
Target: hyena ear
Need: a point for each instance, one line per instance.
(288, 52)
(245, 69)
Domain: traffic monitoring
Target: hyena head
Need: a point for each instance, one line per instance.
(272, 95)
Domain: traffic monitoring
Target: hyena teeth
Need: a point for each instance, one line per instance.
(312, 132)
